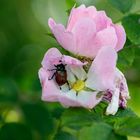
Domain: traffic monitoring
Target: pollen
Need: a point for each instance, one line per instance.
(78, 85)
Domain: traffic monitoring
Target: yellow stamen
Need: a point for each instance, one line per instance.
(78, 85)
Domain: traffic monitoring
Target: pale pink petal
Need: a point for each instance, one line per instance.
(121, 35)
(79, 72)
(88, 99)
(83, 99)
(102, 71)
(69, 99)
(70, 76)
(42, 76)
(119, 77)
(114, 105)
(106, 37)
(51, 23)
(92, 11)
(84, 32)
(50, 58)
(102, 21)
(53, 57)
(80, 12)
(99, 17)
(72, 61)
(64, 38)
(50, 90)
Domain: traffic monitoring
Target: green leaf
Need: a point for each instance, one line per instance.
(68, 11)
(38, 118)
(57, 112)
(120, 115)
(70, 3)
(78, 117)
(124, 62)
(122, 5)
(8, 91)
(64, 136)
(114, 136)
(15, 131)
(131, 24)
(98, 131)
(128, 126)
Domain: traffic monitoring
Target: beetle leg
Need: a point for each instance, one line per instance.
(52, 69)
(76, 93)
(68, 85)
(52, 76)
(60, 88)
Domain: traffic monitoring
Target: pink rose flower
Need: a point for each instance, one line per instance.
(76, 76)
(83, 87)
(87, 31)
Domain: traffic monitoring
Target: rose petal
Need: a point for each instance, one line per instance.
(64, 38)
(91, 11)
(88, 99)
(72, 61)
(69, 99)
(51, 23)
(79, 72)
(74, 15)
(70, 76)
(122, 84)
(121, 37)
(114, 105)
(50, 90)
(106, 37)
(102, 21)
(80, 12)
(42, 76)
(52, 54)
(102, 71)
(84, 32)
(84, 99)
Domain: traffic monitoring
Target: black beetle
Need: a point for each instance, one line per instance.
(60, 74)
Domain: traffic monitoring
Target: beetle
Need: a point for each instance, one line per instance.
(60, 74)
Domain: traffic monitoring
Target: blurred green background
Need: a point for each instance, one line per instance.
(23, 42)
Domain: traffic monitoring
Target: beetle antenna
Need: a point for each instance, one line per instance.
(51, 69)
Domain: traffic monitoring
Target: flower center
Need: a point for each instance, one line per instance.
(78, 85)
